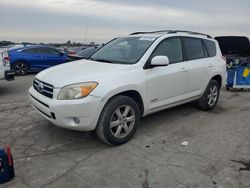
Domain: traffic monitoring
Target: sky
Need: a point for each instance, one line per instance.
(102, 20)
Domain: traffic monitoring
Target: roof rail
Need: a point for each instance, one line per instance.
(171, 32)
(150, 32)
(191, 32)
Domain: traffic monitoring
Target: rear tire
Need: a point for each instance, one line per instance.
(118, 120)
(21, 68)
(210, 98)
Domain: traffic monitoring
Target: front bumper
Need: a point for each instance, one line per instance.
(9, 75)
(63, 112)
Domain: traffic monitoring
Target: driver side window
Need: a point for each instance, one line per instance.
(170, 47)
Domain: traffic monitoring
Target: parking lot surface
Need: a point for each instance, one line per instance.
(216, 153)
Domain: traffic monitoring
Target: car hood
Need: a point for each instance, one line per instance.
(80, 71)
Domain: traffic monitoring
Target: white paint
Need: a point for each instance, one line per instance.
(160, 87)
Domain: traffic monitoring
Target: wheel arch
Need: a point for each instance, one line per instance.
(132, 93)
(20, 60)
(218, 78)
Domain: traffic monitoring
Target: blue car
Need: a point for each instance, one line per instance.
(34, 58)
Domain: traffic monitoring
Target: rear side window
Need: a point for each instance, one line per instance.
(54, 52)
(31, 51)
(194, 48)
(44, 51)
(170, 47)
(211, 48)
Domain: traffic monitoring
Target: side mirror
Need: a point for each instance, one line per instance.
(160, 61)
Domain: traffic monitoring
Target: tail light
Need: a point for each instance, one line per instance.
(71, 53)
(224, 59)
(6, 59)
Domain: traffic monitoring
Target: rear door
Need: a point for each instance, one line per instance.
(199, 65)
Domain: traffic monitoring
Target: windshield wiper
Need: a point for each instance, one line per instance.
(101, 60)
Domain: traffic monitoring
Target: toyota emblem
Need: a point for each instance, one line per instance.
(40, 87)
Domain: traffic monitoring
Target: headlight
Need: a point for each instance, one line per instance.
(76, 91)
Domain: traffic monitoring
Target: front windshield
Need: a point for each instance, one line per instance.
(124, 50)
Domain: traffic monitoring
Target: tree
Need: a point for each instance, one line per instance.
(68, 43)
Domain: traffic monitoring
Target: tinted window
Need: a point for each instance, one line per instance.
(44, 51)
(194, 48)
(31, 51)
(54, 52)
(49, 51)
(170, 47)
(211, 48)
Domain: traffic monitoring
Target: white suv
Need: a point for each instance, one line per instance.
(129, 78)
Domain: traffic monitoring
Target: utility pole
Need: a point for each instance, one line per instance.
(86, 32)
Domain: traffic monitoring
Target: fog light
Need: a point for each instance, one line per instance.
(76, 120)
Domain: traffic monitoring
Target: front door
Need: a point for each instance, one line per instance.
(167, 84)
(51, 57)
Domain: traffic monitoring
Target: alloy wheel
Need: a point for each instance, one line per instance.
(21, 68)
(212, 95)
(122, 121)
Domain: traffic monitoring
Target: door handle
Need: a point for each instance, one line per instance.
(183, 70)
(40, 56)
(210, 65)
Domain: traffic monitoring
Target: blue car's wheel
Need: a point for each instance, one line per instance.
(21, 68)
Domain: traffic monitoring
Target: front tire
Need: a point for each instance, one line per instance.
(210, 98)
(21, 68)
(118, 121)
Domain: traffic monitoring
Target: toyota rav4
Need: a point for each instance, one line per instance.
(128, 78)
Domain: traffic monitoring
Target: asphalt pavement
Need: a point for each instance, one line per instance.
(175, 148)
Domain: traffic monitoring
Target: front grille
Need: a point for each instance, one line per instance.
(43, 88)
